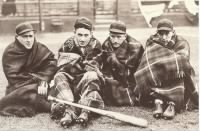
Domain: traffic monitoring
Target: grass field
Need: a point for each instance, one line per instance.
(182, 122)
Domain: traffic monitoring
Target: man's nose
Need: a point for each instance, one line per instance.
(82, 38)
(28, 38)
(115, 39)
(164, 36)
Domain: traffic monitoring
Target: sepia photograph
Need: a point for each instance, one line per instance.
(99, 65)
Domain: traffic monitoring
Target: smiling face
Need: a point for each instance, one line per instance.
(27, 39)
(117, 39)
(83, 36)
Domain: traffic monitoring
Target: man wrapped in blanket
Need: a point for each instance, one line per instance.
(121, 56)
(165, 73)
(78, 78)
(28, 66)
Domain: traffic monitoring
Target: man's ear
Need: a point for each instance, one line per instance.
(74, 31)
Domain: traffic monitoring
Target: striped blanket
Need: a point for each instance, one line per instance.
(159, 65)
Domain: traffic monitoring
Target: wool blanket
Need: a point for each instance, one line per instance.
(159, 65)
(24, 70)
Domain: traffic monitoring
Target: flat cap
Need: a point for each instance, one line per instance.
(165, 24)
(118, 27)
(23, 27)
(83, 22)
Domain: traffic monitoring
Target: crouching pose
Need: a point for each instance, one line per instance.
(78, 78)
(165, 73)
(28, 66)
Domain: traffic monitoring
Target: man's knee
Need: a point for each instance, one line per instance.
(92, 99)
(60, 77)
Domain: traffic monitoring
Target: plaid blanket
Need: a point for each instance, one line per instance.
(158, 65)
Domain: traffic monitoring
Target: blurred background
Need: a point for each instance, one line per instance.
(59, 15)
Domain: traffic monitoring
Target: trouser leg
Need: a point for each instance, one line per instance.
(61, 90)
(90, 95)
(62, 87)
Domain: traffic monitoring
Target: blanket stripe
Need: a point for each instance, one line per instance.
(159, 65)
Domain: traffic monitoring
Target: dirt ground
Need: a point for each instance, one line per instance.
(186, 120)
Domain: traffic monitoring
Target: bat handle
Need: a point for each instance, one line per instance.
(51, 98)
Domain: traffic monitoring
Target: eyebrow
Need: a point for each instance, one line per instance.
(82, 34)
(26, 35)
(116, 35)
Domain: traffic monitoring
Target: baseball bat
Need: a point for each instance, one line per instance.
(115, 115)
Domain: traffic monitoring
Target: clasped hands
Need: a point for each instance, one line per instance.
(43, 88)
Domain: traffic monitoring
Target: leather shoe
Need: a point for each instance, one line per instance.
(159, 109)
(170, 111)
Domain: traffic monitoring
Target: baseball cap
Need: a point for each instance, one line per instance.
(165, 24)
(23, 27)
(83, 22)
(118, 27)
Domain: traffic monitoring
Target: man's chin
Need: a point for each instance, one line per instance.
(28, 47)
(116, 46)
(83, 44)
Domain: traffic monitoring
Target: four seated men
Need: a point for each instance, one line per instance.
(118, 72)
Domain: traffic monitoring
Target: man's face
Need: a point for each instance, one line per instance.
(165, 34)
(83, 36)
(27, 39)
(117, 39)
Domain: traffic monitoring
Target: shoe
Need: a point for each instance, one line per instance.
(159, 109)
(67, 120)
(170, 111)
(57, 111)
(83, 118)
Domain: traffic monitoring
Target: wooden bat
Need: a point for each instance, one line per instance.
(115, 115)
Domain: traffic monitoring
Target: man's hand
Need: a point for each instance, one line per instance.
(43, 88)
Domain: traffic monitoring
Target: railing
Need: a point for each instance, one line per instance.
(105, 7)
(48, 8)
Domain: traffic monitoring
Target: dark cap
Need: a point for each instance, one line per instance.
(118, 27)
(165, 24)
(83, 22)
(23, 28)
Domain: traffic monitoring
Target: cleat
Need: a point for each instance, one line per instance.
(57, 111)
(66, 121)
(170, 111)
(83, 119)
